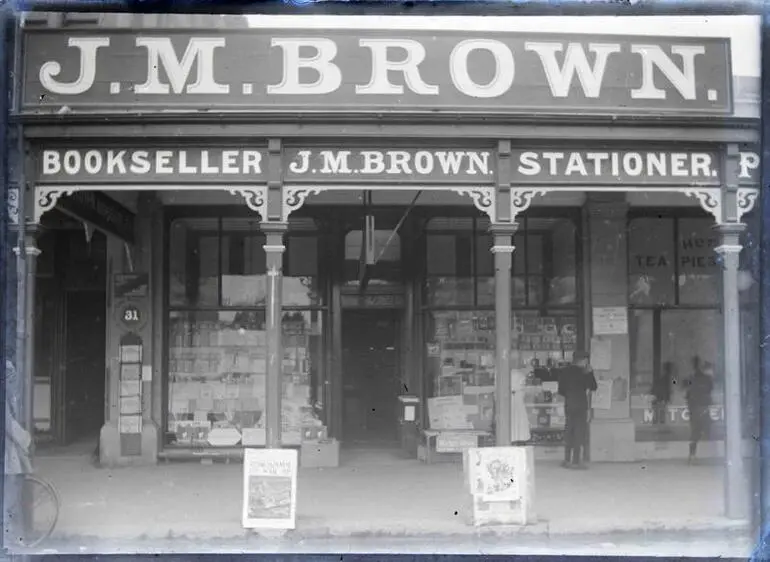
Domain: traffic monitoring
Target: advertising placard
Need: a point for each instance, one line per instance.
(270, 488)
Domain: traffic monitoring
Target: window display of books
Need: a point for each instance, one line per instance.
(542, 344)
(464, 382)
(217, 385)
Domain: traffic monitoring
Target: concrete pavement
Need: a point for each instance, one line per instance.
(378, 498)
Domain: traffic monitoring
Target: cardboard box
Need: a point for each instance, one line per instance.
(320, 454)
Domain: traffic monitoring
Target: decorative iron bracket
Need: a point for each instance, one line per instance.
(255, 196)
(710, 199)
(747, 198)
(521, 199)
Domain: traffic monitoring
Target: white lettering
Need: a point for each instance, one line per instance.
(72, 162)
(374, 162)
(184, 168)
(115, 160)
(160, 52)
(597, 158)
(450, 161)
(229, 162)
(553, 158)
(163, 162)
(678, 164)
(51, 162)
(632, 162)
(335, 163)
(381, 66)
(701, 165)
(93, 161)
(329, 74)
(140, 162)
(504, 68)
(205, 167)
(478, 163)
(528, 164)
(399, 160)
(748, 162)
(656, 164)
(649, 416)
(575, 165)
(423, 162)
(683, 80)
(575, 62)
(302, 164)
(252, 162)
(85, 80)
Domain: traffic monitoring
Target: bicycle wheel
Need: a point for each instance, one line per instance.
(43, 510)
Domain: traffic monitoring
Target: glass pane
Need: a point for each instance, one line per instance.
(690, 341)
(642, 359)
(302, 364)
(217, 369)
(519, 291)
(535, 254)
(449, 291)
(300, 281)
(485, 291)
(535, 295)
(386, 271)
(562, 285)
(243, 263)
(461, 363)
(651, 261)
(194, 262)
(485, 261)
(519, 255)
(698, 269)
(539, 345)
(442, 254)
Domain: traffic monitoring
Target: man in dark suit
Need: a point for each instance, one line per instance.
(575, 382)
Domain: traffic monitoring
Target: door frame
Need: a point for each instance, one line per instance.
(396, 315)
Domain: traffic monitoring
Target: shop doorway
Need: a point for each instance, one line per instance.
(371, 377)
(84, 369)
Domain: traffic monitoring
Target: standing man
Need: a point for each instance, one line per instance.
(575, 382)
(699, 389)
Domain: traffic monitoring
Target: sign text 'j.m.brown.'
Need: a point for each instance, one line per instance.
(376, 70)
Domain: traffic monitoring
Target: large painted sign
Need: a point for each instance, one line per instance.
(375, 70)
(355, 167)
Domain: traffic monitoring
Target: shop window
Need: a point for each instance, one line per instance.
(562, 274)
(387, 252)
(300, 281)
(194, 262)
(217, 377)
(651, 261)
(461, 368)
(244, 275)
(460, 264)
(698, 271)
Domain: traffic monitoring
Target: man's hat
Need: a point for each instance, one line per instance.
(580, 355)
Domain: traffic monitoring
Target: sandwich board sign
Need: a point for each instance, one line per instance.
(270, 488)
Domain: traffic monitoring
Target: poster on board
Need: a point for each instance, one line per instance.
(270, 488)
(610, 320)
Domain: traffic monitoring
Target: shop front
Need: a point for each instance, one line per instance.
(293, 275)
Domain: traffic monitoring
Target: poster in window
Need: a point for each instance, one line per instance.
(269, 488)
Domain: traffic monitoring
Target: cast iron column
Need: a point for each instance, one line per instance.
(502, 250)
(274, 249)
(27, 373)
(736, 498)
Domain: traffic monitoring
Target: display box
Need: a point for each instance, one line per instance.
(320, 454)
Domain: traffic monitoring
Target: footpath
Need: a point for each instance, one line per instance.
(377, 497)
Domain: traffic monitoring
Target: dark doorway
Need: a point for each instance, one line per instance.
(371, 377)
(84, 392)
